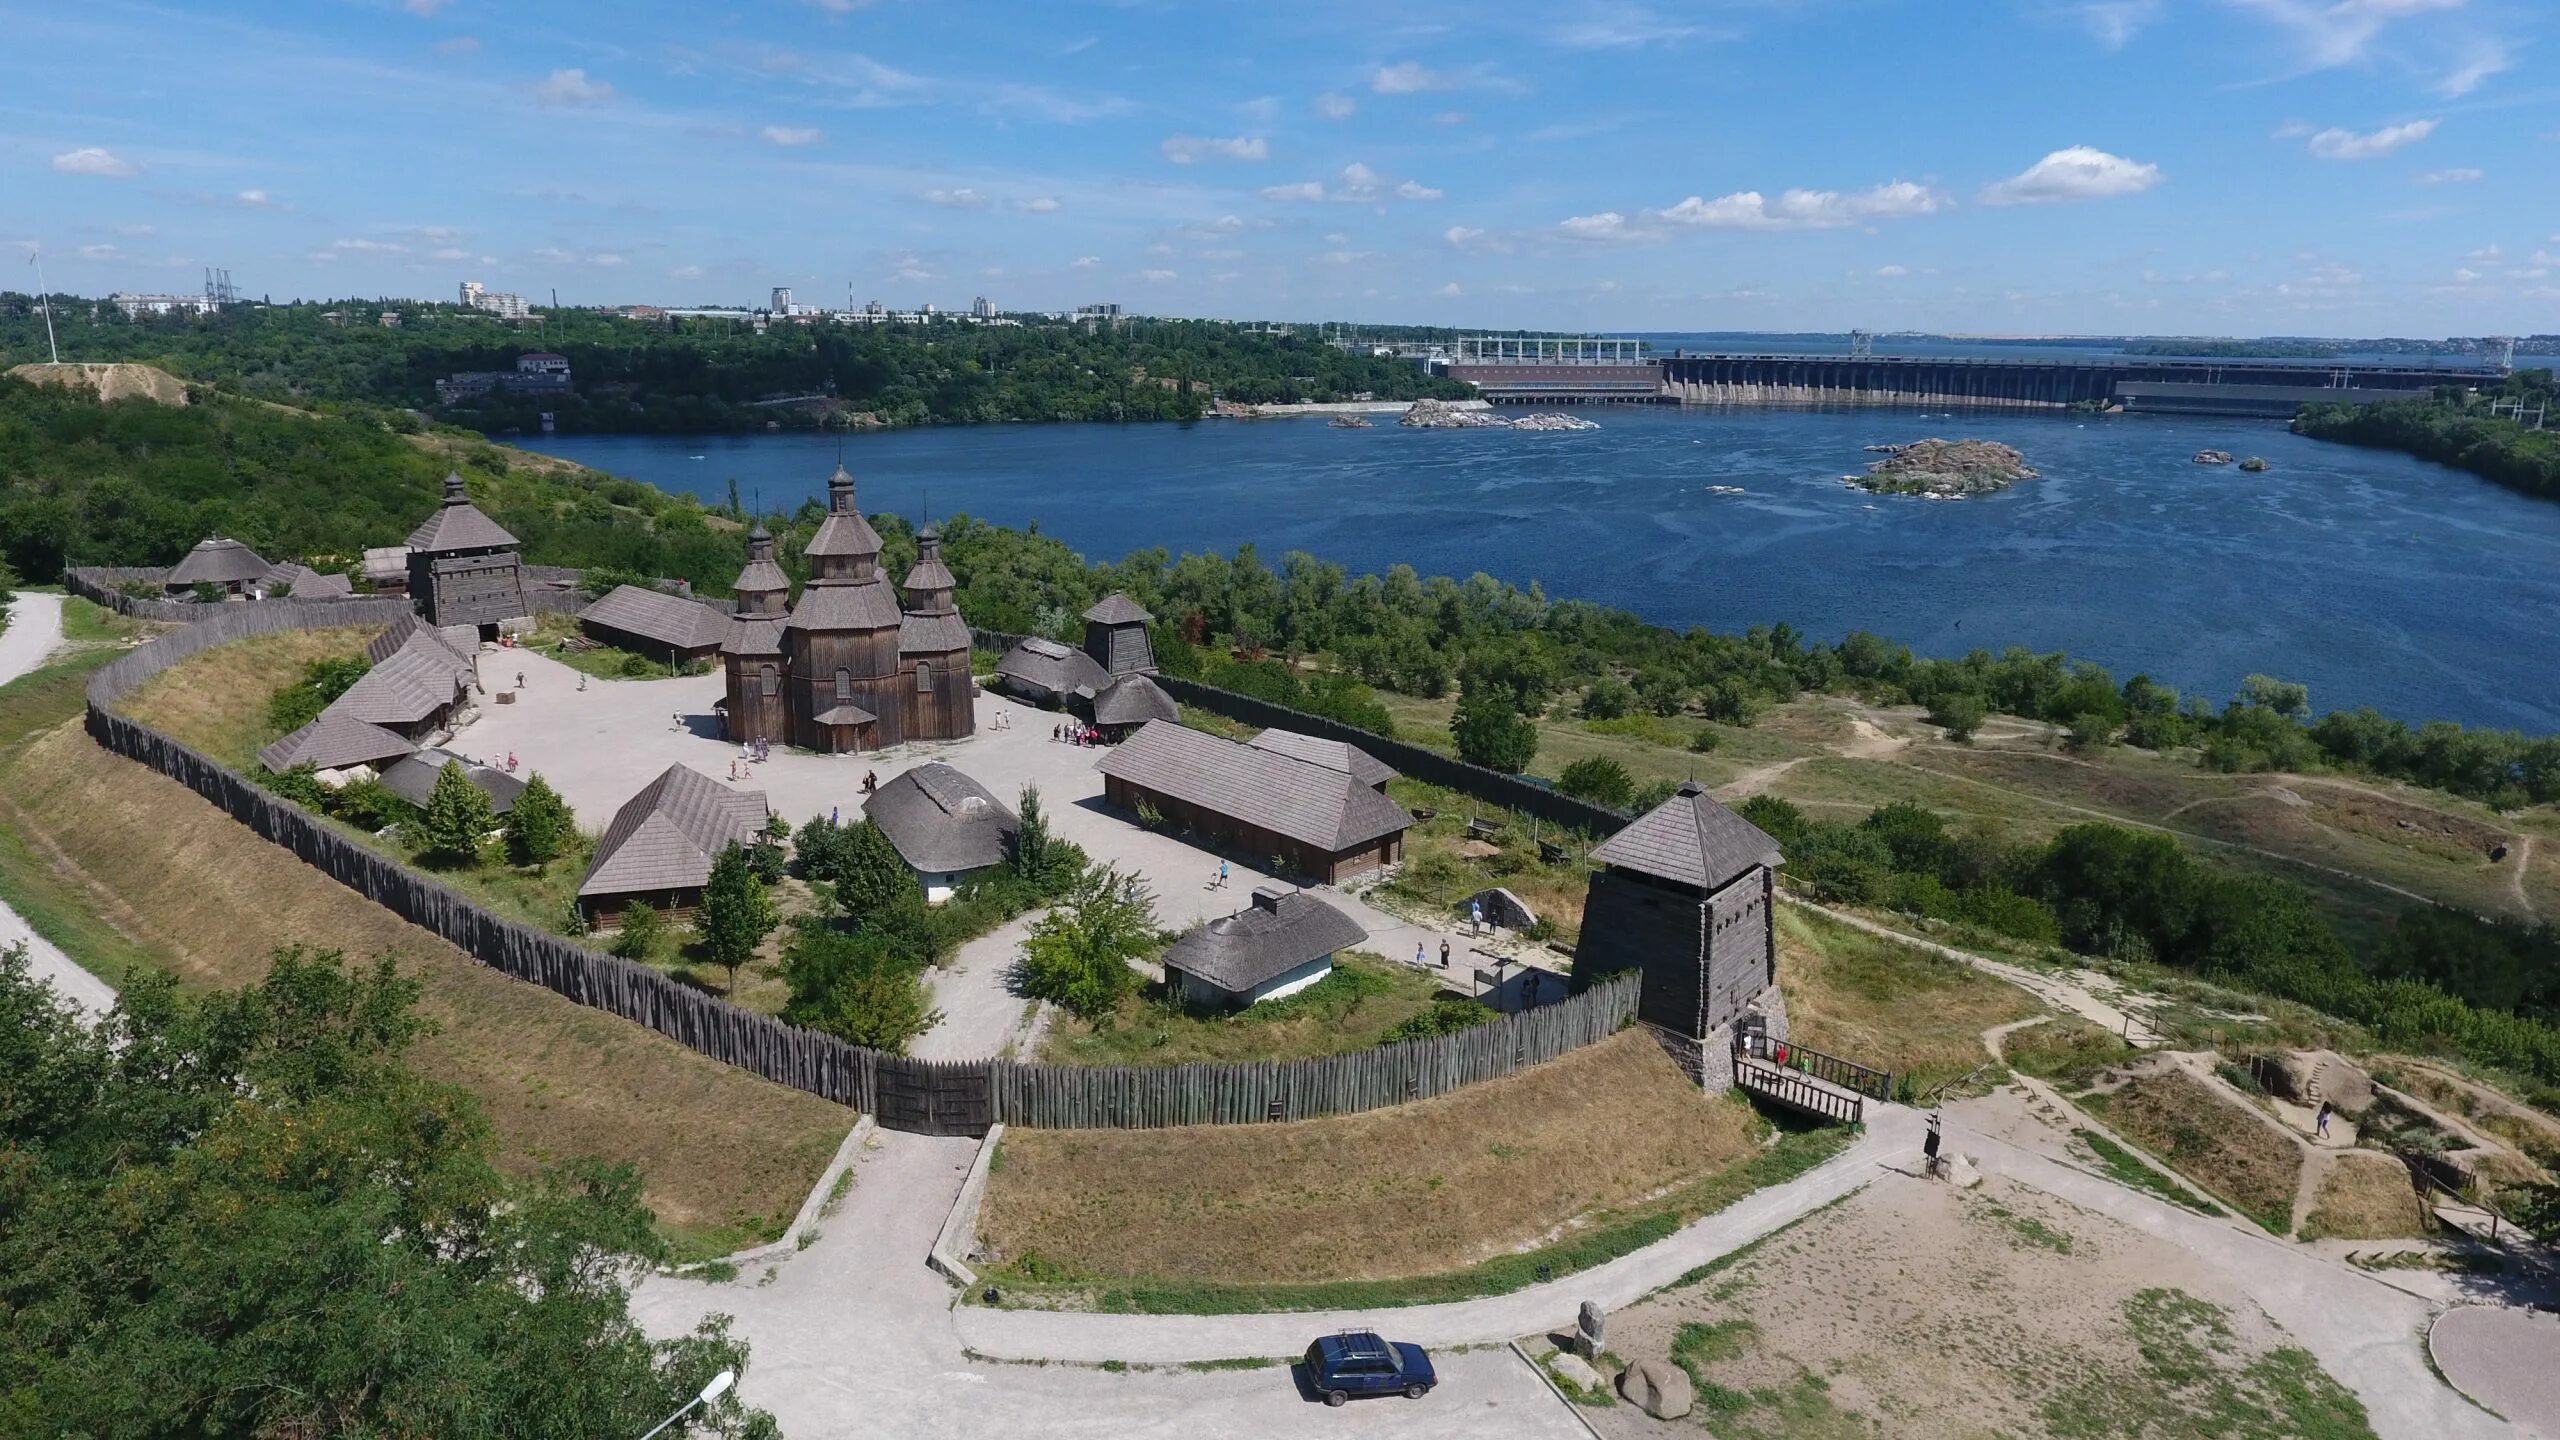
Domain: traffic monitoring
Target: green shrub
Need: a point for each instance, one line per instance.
(1600, 780)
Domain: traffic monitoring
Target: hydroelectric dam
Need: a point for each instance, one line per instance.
(1607, 372)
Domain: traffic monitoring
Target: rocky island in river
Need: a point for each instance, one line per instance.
(1944, 469)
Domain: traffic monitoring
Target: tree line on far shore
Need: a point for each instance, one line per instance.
(2457, 427)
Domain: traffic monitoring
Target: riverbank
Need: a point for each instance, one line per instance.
(2463, 433)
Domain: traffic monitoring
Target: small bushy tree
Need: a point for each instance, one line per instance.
(1491, 733)
(459, 816)
(736, 913)
(1608, 698)
(854, 989)
(1078, 955)
(539, 826)
(1600, 780)
(872, 880)
(641, 928)
(1959, 714)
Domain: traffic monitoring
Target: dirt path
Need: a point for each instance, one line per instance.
(1757, 779)
(2079, 997)
(2523, 858)
(35, 631)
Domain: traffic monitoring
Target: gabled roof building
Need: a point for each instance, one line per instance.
(660, 845)
(421, 680)
(413, 778)
(944, 825)
(1258, 799)
(1279, 945)
(1684, 895)
(1115, 635)
(335, 741)
(1129, 702)
(653, 622)
(217, 561)
(301, 582)
(1046, 672)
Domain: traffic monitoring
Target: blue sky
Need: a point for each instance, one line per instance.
(2348, 167)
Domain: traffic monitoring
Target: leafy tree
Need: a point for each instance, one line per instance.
(1665, 691)
(1959, 715)
(1078, 955)
(539, 827)
(768, 856)
(1652, 795)
(641, 929)
(1030, 856)
(736, 913)
(818, 850)
(323, 681)
(1491, 733)
(1600, 780)
(2282, 696)
(1608, 698)
(873, 882)
(854, 989)
(459, 816)
(1777, 818)
(245, 1215)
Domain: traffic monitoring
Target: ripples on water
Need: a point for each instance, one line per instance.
(2373, 578)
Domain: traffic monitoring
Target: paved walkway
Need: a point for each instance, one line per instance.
(854, 1336)
(2507, 1359)
(35, 631)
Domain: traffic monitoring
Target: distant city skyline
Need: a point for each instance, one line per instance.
(2301, 167)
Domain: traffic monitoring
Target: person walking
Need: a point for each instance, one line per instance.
(1222, 874)
(1444, 952)
(1418, 956)
(1475, 917)
(2321, 1126)
(519, 679)
(1529, 989)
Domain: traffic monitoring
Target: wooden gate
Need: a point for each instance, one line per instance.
(927, 1097)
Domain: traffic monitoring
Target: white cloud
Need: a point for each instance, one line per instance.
(685, 272)
(1261, 109)
(1618, 26)
(2460, 176)
(458, 45)
(1190, 149)
(1408, 78)
(2077, 172)
(1461, 236)
(1891, 272)
(1449, 291)
(2465, 276)
(90, 160)
(2114, 23)
(1333, 105)
(137, 232)
(963, 198)
(1805, 209)
(1416, 190)
(2330, 33)
(572, 87)
(1607, 225)
(1158, 277)
(1357, 184)
(1303, 190)
(2485, 58)
(791, 136)
(1085, 262)
(2486, 255)
(2336, 144)
(450, 253)
(100, 252)
(369, 247)
(257, 200)
(604, 258)
(1037, 205)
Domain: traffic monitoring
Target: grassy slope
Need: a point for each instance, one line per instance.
(1894, 1007)
(216, 703)
(1448, 1198)
(2209, 1140)
(124, 868)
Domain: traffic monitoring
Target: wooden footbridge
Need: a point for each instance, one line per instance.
(1808, 1081)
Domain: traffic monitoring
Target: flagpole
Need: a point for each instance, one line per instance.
(44, 302)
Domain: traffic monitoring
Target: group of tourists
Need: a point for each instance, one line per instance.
(1075, 732)
(750, 753)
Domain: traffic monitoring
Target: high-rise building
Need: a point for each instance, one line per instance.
(781, 300)
(506, 307)
(983, 308)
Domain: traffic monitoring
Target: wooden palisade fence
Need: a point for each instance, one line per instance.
(948, 1097)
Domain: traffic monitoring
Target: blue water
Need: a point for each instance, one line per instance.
(2373, 578)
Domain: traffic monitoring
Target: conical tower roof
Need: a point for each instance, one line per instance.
(844, 531)
(761, 576)
(929, 572)
(458, 524)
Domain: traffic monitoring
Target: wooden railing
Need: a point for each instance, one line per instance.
(1847, 1074)
(1797, 1090)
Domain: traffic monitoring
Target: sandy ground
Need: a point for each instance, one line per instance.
(600, 745)
(1932, 1311)
(35, 630)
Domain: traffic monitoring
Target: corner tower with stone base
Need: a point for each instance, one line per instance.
(1684, 896)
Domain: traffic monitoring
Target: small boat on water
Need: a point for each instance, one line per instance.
(1347, 422)
(1726, 490)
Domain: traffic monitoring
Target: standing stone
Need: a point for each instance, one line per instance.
(1588, 1330)
(1658, 1388)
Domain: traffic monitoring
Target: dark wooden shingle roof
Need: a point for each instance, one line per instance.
(1690, 838)
(1059, 669)
(1264, 787)
(844, 531)
(334, 741)
(1118, 609)
(941, 820)
(307, 583)
(868, 605)
(414, 779)
(1333, 755)
(654, 615)
(1274, 935)
(416, 672)
(666, 837)
(457, 524)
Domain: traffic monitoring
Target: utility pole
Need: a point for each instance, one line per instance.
(44, 301)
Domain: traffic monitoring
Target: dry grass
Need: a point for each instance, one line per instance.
(2365, 1196)
(724, 1156)
(1350, 1009)
(1415, 1190)
(1895, 1007)
(216, 703)
(2233, 1154)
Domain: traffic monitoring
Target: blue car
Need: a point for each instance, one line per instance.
(1358, 1362)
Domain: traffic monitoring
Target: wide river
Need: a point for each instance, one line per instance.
(2374, 578)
